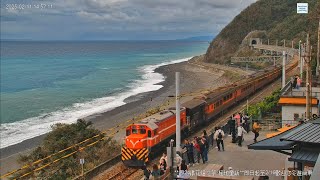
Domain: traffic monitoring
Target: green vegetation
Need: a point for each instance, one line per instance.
(268, 104)
(279, 20)
(61, 137)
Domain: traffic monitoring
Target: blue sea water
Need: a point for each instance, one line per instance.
(43, 83)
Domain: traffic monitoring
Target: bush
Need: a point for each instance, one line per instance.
(61, 137)
(268, 104)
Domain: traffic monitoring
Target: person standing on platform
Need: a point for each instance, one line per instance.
(218, 136)
(164, 156)
(241, 130)
(229, 125)
(206, 146)
(202, 150)
(178, 160)
(246, 122)
(237, 118)
(183, 171)
(189, 147)
(233, 130)
(146, 173)
(255, 129)
(163, 166)
(294, 84)
(155, 172)
(205, 135)
(298, 82)
(197, 149)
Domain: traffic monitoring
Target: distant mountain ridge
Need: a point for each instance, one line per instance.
(278, 18)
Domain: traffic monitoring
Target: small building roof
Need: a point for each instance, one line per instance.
(273, 143)
(308, 133)
(296, 101)
(304, 156)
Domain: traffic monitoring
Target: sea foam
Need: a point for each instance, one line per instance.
(13, 133)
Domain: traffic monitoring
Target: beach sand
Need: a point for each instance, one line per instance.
(193, 77)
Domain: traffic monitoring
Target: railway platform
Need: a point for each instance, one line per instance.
(241, 160)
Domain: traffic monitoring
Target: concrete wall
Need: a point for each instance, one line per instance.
(289, 111)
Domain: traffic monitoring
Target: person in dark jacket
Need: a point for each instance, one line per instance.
(163, 166)
(229, 125)
(294, 84)
(206, 148)
(205, 135)
(189, 146)
(146, 173)
(246, 122)
(202, 150)
(233, 130)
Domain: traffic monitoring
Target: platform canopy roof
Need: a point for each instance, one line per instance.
(273, 143)
(304, 156)
(303, 140)
(306, 133)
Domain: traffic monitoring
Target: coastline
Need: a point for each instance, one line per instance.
(193, 78)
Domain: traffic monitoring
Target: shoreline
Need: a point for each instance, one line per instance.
(193, 78)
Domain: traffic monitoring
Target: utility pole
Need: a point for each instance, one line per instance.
(308, 83)
(318, 52)
(300, 59)
(178, 122)
(283, 69)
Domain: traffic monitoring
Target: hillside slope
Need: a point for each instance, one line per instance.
(277, 17)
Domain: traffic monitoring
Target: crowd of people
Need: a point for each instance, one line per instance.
(197, 148)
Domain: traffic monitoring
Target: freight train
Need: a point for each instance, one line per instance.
(151, 134)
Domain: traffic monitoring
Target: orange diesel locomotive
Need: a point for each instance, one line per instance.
(149, 134)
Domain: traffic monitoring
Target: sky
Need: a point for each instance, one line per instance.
(116, 19)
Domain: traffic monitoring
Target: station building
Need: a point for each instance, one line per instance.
(293, 104)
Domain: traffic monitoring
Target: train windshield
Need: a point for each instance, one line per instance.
(142, 131)
(137, 130)
(134, 130)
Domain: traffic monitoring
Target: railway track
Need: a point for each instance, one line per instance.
(118, 172)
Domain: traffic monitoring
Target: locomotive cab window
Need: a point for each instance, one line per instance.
(134, 130)
(149, 133)
(142, 131)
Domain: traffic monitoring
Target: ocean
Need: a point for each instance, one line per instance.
(44, 83)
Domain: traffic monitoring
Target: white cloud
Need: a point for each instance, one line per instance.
(118, 17)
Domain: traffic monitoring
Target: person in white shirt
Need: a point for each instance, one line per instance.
(218, 136)
(178, 160)
(241, 130)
